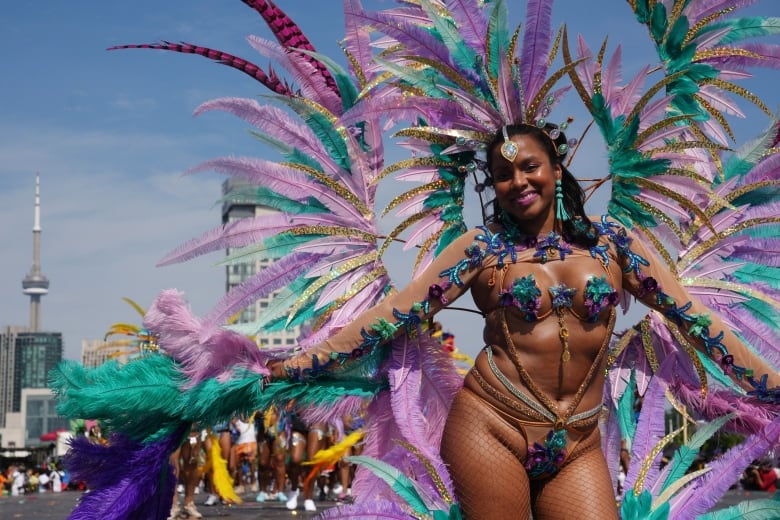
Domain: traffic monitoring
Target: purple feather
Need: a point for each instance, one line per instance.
(472, 25)
(695, 500)
(650, 428)
(202, 352)
(356, 40)
(537, 40)
(126, 479)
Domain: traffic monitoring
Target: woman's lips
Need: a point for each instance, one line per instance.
(526, 198)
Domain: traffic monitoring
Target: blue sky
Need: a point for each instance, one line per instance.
(112, 132)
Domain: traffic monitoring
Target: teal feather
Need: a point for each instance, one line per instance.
(284, 300)
(498, 42)
(761, 509)
(750, 273)
(324, 130)
(625, 410)
(686, 454)
(343, 80)
(448, 33)
(136, 398)
(763, 231)
(449, 235)
(398, 482)
(639, 507)
(273, 247)
(288, 152)
(715, 371)
(658, 23)
(267, 197)
(676, 37)
(428, 82)
(642, 11)
(744, 28)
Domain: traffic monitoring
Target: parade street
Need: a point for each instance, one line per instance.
(59, 505)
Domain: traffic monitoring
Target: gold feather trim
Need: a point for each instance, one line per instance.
(660, 248)
(438, 482)
(381, 78)
(333, 231)
(714, 155)
(411, 163)
(740, 91)
(743, 289)
(663, 123)
(697, 251)
(647, 96)
(323, 280)
(692, 353)
(429, 242)
(649, 460)
(408, 195)
(647, 343)
(339, 302)
(359, 73)
(552, 80)
(334, 186)
(681, 199)
(446, 71)
(575, 79)
(725, 52)
(620, 346)
(402, 226)
(693, 31)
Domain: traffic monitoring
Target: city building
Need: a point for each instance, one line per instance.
(239, 203)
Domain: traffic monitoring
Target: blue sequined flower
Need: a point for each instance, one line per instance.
(562, 296)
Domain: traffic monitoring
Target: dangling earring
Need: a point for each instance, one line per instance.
(560, 212)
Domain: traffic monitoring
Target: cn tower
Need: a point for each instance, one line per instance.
(35, 284)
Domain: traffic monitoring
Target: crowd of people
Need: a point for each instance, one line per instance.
(268, 456)
(19, 480)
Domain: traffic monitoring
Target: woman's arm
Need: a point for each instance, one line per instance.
(646, 277)
(447, 278)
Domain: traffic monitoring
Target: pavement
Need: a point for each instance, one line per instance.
(59, 505)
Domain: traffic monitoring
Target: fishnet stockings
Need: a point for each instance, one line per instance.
(485, 456)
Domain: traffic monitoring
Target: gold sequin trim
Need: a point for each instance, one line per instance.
(429, 242)
(552, 80)
(648, 461)
(694, 254)
(647, 343)
(429, 160)
(743, 289)
(334, 186)
(575, 79)
(679, 198)
(359, 74)
(647, 96)
(333, 231)
(693, 31)
(381, 78)
(725, 52)
(322, 281)
(414, 192)
(692, 353)
(446, 71)
(736, 89)
(402, 226)
(358, 286)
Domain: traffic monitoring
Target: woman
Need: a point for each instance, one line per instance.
(522, 433)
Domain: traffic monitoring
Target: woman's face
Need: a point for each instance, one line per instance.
(525, 187)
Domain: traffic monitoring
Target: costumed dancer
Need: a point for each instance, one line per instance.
(546, 276)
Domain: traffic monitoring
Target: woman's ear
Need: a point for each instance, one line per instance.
(558, 171)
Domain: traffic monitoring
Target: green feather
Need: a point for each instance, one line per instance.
(346, 86)
(658, 23)
(498, 41)
(744, 28)
(138, 398)
(626, 416)
(448, 33)
(685, 455)
(322, 128)
(761, 509)
(407, 489)
(750, 273)
(291, 154)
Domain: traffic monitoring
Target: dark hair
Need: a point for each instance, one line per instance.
(578, 228)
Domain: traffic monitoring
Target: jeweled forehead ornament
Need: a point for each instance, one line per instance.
(508, 148)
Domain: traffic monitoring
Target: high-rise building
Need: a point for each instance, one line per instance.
(35, 353)
(7, 363)
(239, 203)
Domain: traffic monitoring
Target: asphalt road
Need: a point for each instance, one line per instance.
(59, 505)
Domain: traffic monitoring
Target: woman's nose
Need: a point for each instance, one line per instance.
(519, 178)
